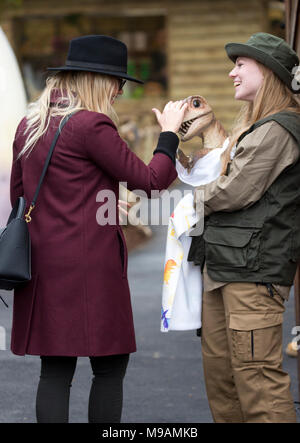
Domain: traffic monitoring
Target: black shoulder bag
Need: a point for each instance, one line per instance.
(15, 245)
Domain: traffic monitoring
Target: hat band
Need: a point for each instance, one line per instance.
(94, 65)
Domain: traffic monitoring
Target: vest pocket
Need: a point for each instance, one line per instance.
(228, 247)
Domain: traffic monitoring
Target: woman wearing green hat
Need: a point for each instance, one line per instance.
(252, 239)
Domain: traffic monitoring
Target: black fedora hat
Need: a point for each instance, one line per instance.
(272, 52)
(97, 53)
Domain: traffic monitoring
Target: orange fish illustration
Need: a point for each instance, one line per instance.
(170, 265)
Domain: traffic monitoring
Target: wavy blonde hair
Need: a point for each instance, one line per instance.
(78, 90)
(273, 96)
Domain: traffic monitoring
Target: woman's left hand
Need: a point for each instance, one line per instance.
(172, 116)
(121, 205)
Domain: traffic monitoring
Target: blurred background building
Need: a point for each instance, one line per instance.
(175, 46)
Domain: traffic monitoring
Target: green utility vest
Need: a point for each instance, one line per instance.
(261, 243)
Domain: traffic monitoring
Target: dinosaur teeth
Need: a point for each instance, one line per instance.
(185, 126)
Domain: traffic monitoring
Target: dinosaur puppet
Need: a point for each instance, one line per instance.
(182, 286)
(200, 121)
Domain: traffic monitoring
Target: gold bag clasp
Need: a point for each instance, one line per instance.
(27, 216)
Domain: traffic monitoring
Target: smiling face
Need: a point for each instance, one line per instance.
(247, 78)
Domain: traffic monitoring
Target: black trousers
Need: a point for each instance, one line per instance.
(106, 394)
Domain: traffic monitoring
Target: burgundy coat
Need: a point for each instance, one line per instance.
(78, 301)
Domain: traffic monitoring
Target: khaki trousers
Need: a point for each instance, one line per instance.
(242, 355)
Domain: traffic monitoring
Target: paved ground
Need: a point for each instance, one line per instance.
(164, 382)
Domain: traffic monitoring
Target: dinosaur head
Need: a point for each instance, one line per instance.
(198, 116)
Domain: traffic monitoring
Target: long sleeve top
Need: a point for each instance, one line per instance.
(259, 159)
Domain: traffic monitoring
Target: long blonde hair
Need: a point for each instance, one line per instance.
(77, 90)
(273, 96)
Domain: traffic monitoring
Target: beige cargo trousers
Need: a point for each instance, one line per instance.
(242, 355)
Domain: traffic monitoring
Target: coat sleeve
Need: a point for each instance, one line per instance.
(259, 160)
(106, 148)
(16, 184)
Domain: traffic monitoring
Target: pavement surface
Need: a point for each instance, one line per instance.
(164, 381)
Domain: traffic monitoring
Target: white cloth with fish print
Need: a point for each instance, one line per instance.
(182, 285)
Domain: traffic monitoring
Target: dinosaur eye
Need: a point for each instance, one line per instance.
(196, 103)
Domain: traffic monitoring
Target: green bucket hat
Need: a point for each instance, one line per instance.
(272, 52)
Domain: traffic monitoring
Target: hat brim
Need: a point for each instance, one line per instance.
(235, 50)
(123, 75)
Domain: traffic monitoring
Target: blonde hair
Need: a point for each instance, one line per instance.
(77, 90)
(273, 96)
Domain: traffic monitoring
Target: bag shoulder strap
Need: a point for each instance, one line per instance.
(46, 165)
(48, 159)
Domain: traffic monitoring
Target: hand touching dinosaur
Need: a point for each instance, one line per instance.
(172, 116)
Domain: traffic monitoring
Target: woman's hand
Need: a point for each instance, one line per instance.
(172, 116)
(121, 205)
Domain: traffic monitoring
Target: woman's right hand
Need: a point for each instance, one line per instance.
(172, 116)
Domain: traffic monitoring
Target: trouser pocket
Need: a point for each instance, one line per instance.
(257, 341)
(242, 345)
(260, 345)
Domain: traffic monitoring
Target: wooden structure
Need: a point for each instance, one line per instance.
(292, 22)
(192, 37)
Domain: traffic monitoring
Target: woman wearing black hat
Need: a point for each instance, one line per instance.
(252, 239)
(78, 302)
